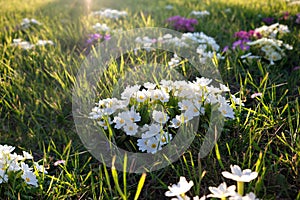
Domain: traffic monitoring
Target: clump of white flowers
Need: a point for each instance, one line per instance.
(110, 13)
(199, 14)
(222, 191)
(186, 99)
(27, 45)
(206, 46)
(101, 27)
(270, 45)
(12, 163)
(27, 22)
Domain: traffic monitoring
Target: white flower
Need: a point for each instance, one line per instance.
(164, 138)
(153, 130)
(30, 178)
(131, 128)
(159, 94)
(27, 155)
(194, 110)
(101, 27)
(250, 196)
(202, 82)
(211, 99)
(185, 104)
(200, 13)
(149, 86)
(273, 56)
(151, 145)
(167, 85)
(129, 116)
(40, 168)
(13, 165)
(142, 144)
(141, 96)
(160, 117)
(169, 7)
(5, 149)
(180, 188)
(237, 101)
(222, 191)
(25, 167)
(44, 42)
(110, 13)
(238, 175)
(129, 90)
(26, 22)
(22, 44)
(104, 123)
(119, 122)
(133, 116)
(226, 110)
(197, 198)
(155, 94)
(3, 176)
(176, 122)
(224, 88)
(174, 61)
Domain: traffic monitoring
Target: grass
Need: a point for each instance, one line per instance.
(36, 101)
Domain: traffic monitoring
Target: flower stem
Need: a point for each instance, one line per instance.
(240, 187)
(223, 198)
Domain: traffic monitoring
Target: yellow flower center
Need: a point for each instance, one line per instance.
(27, 179)
(153, 146)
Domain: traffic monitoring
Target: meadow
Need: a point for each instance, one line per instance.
(254, 45)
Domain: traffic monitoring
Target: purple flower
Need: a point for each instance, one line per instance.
(93, 37)
(296, 68)
(182, 24)
(285, 16)
(225, 49)
(241, 44)
(268, 20)
(242, 35)
(107, 37)
(298, 18)
(255, 34)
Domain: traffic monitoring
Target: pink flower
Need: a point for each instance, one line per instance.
(258, 94)
(59, 162)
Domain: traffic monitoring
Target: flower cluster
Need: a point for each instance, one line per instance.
(284, 17)
(264, 41)
(243, 38)
(27, 45)
(101, 27)
(110, 13)
(206, 46)
(220, 192)
(97, 37)
(191, 99)
(12, 163)
(269, 45)
(27, 22)
(199, 14)
(182, 24)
